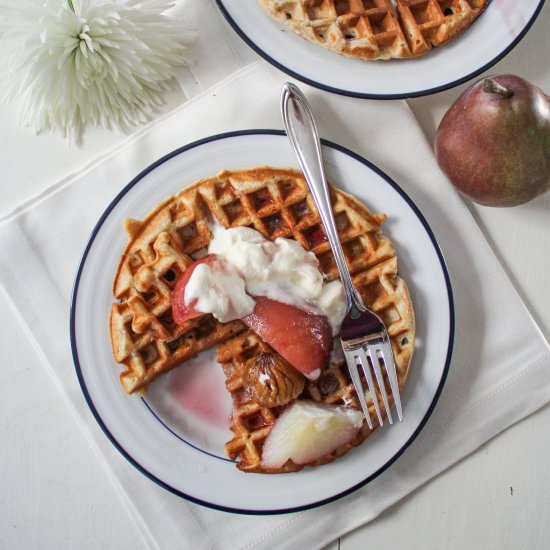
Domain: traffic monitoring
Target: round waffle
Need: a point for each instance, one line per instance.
(277, 203)
(374, 29)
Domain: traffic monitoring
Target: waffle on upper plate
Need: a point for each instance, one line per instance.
(277, 203)
(375, 29)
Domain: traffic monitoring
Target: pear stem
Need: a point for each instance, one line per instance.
(493, 87)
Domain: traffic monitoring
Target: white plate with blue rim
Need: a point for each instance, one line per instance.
(491, 37)
(175, 433)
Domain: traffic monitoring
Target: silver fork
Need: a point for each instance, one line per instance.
(364, 337)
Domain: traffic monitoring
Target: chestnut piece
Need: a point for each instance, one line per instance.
(272, 381)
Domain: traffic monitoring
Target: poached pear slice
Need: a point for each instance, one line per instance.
(307, 431)
(302, 338)
(182, 312)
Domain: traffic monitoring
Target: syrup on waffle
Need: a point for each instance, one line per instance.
(277, 203)
(375, 29)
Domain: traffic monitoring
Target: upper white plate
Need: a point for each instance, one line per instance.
(489, 39)
(175, 435)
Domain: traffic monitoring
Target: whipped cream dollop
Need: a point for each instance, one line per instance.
(218, 289)
(251, 265)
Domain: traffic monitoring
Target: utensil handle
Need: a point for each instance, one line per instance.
(304, 137)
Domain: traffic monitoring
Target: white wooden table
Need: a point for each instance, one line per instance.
(54, 494)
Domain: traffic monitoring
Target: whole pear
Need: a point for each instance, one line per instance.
(494, 142)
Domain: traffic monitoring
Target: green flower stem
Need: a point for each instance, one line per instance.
(70, 4)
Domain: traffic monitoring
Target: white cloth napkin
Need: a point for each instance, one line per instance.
(500, 370)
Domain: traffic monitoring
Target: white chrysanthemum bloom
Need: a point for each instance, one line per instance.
(70, 63)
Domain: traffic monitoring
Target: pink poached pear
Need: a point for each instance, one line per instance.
(182, 312)
(302, 338)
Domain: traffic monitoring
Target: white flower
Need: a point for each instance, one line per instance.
(71, 63)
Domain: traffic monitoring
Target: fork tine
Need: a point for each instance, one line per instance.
(354, 373)
(380, 379)
(389, 364)
(370, 383)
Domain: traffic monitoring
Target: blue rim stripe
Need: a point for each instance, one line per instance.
(177, 436)
(74, 346)
(404, 95)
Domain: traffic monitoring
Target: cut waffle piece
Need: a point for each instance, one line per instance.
(432, 23)
(376, 29)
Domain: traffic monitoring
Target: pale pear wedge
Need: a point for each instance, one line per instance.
(307, 431)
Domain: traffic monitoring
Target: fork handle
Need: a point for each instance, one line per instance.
(304, 137)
